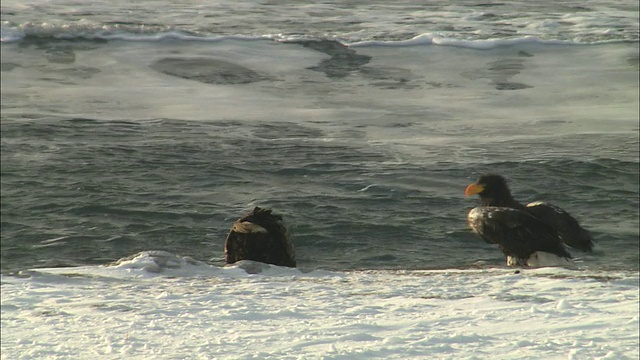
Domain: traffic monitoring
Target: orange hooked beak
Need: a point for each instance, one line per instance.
(473, 189)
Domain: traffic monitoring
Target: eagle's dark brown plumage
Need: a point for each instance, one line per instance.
(260, 236)
(519, 230)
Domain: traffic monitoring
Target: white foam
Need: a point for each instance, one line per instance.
(105, 32)
(227, 313)
(172, 35)
(479, 44)
(591, 21)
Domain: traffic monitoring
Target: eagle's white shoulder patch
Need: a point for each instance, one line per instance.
(536, 203)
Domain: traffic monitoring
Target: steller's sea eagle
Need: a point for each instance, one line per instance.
(260, 236)
(531, 235)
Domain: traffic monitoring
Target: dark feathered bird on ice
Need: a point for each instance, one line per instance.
(260, 236)
(531, 235)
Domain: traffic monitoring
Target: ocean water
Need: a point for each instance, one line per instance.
(128, 128)
(152, 126)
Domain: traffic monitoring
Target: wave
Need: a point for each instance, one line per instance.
(12, 34)
(479, 44)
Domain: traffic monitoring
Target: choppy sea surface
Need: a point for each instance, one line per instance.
(153, 125)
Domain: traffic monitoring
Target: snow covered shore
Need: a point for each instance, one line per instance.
(158, 305)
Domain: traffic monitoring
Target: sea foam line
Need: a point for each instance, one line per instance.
(480, 44)
(10, 34)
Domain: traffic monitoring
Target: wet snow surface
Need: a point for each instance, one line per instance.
(159, 305)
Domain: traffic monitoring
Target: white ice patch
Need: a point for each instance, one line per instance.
(150, 264)
(544, 259)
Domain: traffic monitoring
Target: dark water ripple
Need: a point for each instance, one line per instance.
(82, 191)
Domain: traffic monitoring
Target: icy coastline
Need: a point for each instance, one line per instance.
(164, 306)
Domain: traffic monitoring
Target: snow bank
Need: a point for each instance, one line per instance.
(158, 305)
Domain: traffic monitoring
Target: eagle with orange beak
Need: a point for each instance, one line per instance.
(533, 235)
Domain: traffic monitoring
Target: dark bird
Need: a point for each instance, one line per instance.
(531, 235)
(260, 236)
